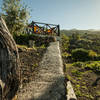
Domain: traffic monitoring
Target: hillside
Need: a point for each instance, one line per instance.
(70, 32)
(81, 58)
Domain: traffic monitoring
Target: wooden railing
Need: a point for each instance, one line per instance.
(43, 28)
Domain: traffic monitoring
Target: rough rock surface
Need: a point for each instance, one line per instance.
(70, 92)
(48, 82)
(9, 61)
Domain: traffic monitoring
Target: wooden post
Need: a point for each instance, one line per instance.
(9, 63)
(33, 26)
(58, 30)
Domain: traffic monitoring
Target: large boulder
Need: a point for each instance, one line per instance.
(9, 63)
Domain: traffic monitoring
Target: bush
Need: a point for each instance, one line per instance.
(95, 66)
(23, 39)
(98, 57)
(80, 55)
(65, 43)
(76, 73)
(65, 54)
(92, 55)
(78, 64)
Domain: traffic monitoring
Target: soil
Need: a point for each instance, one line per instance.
(29, 59)
(86, 86)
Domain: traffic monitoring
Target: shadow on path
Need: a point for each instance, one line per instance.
(55, 91)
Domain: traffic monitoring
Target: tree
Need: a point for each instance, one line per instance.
(74, 38)
(65, 42)
(9, 64)
(15, 15)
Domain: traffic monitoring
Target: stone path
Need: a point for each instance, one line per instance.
(48, 82)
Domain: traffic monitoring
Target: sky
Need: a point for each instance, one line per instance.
(69, 14)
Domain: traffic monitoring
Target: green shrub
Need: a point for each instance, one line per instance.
(98, 57)
(92, 55)
(76, 73)
(78, 93)
(65, 54)
(80, 55)
(23, 39)
(78, 64)
(95, 66)
(65, 42)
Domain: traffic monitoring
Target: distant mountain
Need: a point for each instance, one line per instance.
(93, 29)
(76, 31)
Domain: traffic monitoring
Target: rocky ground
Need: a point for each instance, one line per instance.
(29, 59)
(86, 83)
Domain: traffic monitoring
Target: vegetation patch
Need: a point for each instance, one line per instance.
(85, 82)
(82, 65)
(80, 55)
(23, 39)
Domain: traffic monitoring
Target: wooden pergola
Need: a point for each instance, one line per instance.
(44, 28)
